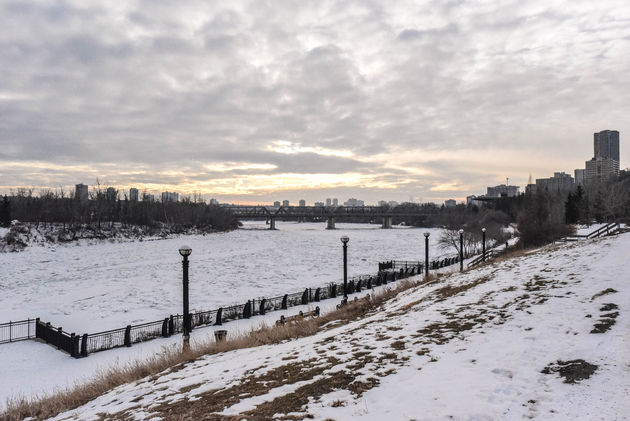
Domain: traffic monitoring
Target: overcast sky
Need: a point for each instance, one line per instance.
(269, 100)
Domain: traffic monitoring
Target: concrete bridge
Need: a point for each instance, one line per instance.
(328, 213)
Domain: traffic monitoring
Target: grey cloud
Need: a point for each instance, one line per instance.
(146, 86)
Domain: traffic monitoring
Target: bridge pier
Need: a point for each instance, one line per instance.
(330, 225)
(272, 223)
(387, 222)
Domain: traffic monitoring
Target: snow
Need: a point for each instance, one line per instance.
(433, 353)
(92, 288)
(88, 288)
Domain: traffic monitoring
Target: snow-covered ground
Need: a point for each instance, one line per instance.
(88, 288)
(471, 346)
(91, 288)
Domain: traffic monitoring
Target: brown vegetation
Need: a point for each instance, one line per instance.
(173, 360)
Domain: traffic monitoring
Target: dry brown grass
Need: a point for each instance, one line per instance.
(173, 359)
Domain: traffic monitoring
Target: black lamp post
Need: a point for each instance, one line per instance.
(483, 244)
(426, 254)
(345, 240)
(185, 252)
(461, 250)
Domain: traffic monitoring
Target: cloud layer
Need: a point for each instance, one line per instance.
(254, 101)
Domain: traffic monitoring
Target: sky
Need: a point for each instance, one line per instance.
(256, 101)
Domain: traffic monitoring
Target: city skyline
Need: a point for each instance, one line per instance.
(416, 101)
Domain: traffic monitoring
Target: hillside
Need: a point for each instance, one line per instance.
(496, 342)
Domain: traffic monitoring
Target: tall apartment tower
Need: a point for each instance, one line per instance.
(81, 192)
(133, 194)
(606, 144)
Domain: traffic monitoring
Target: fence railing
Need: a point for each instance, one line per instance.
(83, 345)
(17, 331)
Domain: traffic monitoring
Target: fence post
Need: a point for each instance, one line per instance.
(262, 306)
(247, 310)
(165, 328)
(219, 321)
(74, 346)
(317, 292)
(305, 296)
(171, 326)
(284, 301)
(84, 341)
(10, 331)
(128, 335)
(333, 290)
(369, 283)
(358, 287)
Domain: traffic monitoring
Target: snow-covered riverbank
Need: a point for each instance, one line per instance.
(486, 344)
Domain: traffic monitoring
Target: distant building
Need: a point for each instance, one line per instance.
(392, 203)
(328, 202)
(214, 202)
(503, 190)
(600, 169)
(606, 145)
(560, 182)
(146, 197)
(318, 204)
(276, 204)
(170, 197)
(111, 194)
(579, 177)
(335, 202)
(450, 203)
(354, 202)
(382, 203)
(81, 192)
(302, 203)
(133, 194)
(285, 203)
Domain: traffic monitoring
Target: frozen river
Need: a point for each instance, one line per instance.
(92, 287)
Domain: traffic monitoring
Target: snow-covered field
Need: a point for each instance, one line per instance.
(471, 346)
(91, 288)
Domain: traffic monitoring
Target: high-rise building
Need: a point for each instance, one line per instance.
(328, 202)
(560, 182)
(600, 169)
(170, 197)
(450, 203)
(276, 204)
(111, 194)
(579, 177)
(133, 194)
(503, 190)
(285, 203)
(302, 203)
(606, 144)
(335, 201)
(81, 192)
(146, 197)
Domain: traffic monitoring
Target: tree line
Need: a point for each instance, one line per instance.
(102, 209)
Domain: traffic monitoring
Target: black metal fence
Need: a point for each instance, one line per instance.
(17, 331)
(83, 345)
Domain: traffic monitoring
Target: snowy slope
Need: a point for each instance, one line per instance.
(470, 346)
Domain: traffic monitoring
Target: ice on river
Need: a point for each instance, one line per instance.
(87, 288)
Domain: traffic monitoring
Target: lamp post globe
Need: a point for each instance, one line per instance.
(185, 251)
(344, 240)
